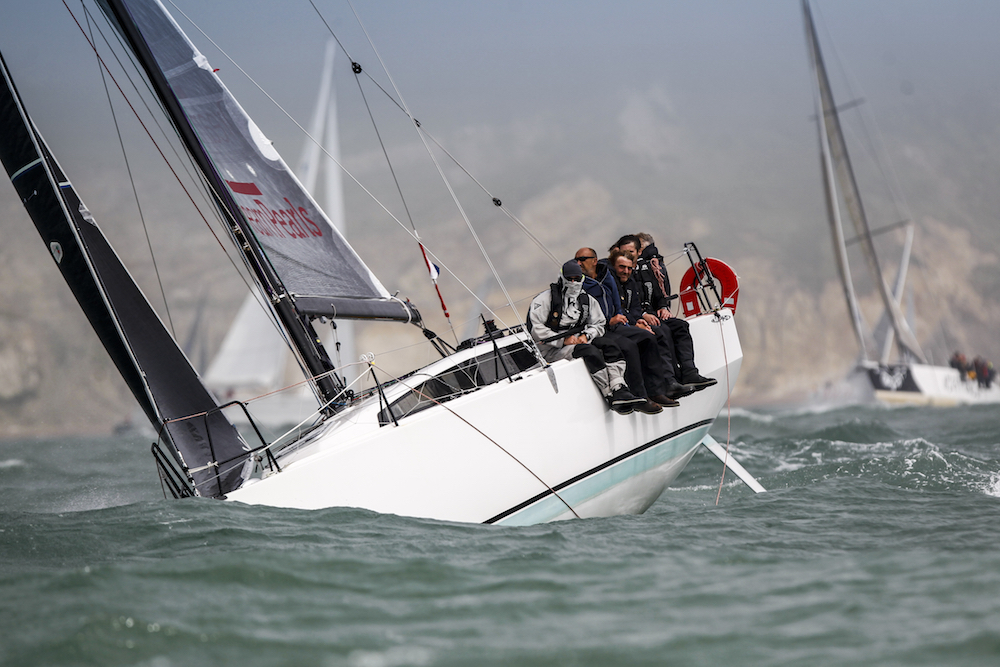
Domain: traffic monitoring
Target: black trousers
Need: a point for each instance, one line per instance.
(597, 353)
(677, 336)
(644, 367)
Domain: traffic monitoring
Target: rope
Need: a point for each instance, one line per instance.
(371, 363)
(150, 135)
(729, 410)
(131, 180)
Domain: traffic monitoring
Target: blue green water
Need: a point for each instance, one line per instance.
(876, 544)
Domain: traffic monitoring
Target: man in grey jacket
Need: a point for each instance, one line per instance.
(567, 323)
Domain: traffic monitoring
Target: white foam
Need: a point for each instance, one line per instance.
(992, 487)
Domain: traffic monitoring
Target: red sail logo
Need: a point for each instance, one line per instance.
(288, 222)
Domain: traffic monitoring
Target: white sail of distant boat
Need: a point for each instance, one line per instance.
(490, 432)
(254, 360)
(910, 379)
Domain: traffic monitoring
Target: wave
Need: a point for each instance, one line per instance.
(908, 463)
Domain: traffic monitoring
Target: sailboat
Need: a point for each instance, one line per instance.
(910, 378)
(488, 433)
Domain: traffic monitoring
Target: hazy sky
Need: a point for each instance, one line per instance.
(717, 63)
(713, 96)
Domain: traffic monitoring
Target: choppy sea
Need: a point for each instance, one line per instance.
(877, 543)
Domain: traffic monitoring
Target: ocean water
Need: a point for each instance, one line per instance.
(877, 543)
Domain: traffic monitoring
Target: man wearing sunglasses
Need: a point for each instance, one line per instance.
(644, 367)
(630, 296)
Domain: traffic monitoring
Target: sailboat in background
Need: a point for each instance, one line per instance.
(255, 363)
(910, 379)
(489, 433)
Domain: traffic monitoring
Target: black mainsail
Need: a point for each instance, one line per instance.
(155, 369)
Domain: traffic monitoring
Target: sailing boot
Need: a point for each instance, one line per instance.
(677, 390)
(665, 401)
(623, 401)
(649, 407)
(699, 382)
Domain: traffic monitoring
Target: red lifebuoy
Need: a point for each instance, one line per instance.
(726, 281)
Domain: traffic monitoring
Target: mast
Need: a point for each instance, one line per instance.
(300, 330)
(899, 287)
(841, 166)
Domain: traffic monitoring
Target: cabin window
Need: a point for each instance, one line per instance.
(470, 375)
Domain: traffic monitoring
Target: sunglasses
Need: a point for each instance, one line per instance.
(584, 259)
(575, 279)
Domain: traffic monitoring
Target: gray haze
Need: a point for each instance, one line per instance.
(690, 120)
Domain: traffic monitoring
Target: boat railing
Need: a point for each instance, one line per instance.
(467, 376)
(504, 360)
(175, 476)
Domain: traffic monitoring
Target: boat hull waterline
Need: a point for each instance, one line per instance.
(532, 450)
(923, 384)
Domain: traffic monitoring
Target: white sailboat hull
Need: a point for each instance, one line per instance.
(923, 384)
(515, 453)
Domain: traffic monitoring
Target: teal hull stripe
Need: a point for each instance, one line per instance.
(599, 479)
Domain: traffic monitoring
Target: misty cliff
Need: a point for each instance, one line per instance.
(753, 200)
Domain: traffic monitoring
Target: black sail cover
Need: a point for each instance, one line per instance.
(313, 260)
(155, 369)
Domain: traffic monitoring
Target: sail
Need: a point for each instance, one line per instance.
(839, 244)
(830, 119)
(252, 353)
(314, 262)
(253, 358)
(153, 366)
(324, 132)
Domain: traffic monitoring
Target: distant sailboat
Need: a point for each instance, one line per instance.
(489, 433)
(909, 379)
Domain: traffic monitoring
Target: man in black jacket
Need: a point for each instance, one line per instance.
(654, 287)
(681, 375)
(644, 367)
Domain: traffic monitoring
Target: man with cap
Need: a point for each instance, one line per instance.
(567, 324)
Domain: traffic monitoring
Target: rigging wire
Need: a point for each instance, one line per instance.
(496, 200)
(145, 128)
(131, 177)
(437, 165)
(431, 269)
(345, 170)
(482, 249)
(199, 180)
(874, 146)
